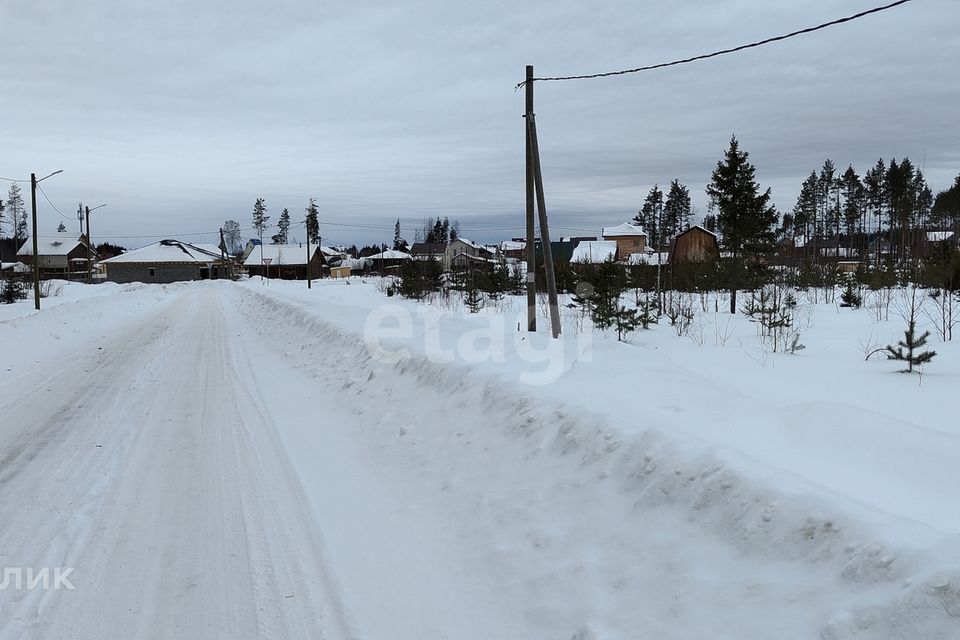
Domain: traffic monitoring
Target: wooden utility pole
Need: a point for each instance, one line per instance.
(90, 248)
(36, 258)
(533, 167)
(309, 274)
(223, 251)
(531, 235)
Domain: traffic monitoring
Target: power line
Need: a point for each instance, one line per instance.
(40, 189)
(12, 179)
(723, 51)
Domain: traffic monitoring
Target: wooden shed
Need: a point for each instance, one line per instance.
(695, 245)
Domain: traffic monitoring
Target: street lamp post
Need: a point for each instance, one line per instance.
(90, 244)
(36, 258)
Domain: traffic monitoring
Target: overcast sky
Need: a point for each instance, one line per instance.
(178, 114)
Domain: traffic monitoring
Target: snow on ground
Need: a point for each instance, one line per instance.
(816, 490)
(439, 475)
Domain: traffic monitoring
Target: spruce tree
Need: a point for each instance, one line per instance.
(282, 235)
(61, 228)
(745, 217)
(12, 290)
(313, 221)
(397, 240)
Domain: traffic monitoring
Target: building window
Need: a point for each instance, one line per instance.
(151, 271)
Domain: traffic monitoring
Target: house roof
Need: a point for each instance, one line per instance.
(355, 264)
(390, 254)
(512, 245)
(594, 251)
(427, 248)
(172, 251)
(53, 244)
(280, 254)
(697, 226)
(329, 251)
(625, 229)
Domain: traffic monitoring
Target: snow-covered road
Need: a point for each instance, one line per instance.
(146, 463)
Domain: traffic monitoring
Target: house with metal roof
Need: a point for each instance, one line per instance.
(167, 261)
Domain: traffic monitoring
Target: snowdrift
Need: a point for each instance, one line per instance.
(590, 529)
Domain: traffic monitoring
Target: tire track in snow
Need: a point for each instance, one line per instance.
(189, 524)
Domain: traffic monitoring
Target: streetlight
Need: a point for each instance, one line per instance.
(36, 266)
(90, 243)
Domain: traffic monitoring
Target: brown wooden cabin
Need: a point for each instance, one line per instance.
(695, 245)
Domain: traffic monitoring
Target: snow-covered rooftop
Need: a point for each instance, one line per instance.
(168, 251)
(280, 254)
(390, 254)
(594, 251)
(625, 229)
(52, 244)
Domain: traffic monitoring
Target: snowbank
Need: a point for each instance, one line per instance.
(636, 494)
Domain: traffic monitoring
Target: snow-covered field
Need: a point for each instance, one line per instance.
(226, 460)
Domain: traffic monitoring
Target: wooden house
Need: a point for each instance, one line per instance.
(285, 261)
(695, 245)
(64, 255)
(630, 238)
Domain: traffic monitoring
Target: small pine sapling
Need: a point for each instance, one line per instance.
(625, 321)
(911, 343)
(11, 291)
(851, 295)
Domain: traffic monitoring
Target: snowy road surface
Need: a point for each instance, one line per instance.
(215, 461)
(147, 464)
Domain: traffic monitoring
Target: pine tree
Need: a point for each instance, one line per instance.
(805, 210)
(649, 216)
(12, 290)
(853, 202)
(677, 210)
(710, 222)
(2, 216)
(744, 215)
(313, 221)
(260, 217)
(911, 343)
(231, 236)
(17, 211)
(850, 297)
(472, 296)
(945, 212)
(61, 228)
(825, 183)
(283, 228)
